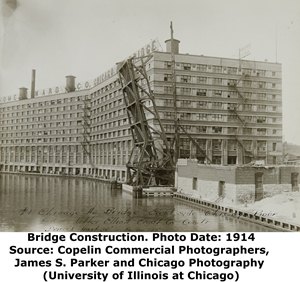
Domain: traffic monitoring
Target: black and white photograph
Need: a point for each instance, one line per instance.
(157, 116)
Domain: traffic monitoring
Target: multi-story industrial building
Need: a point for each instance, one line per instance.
(232, 108)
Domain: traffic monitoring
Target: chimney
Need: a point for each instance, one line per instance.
(32, 93)
(174, 48)
(70, 83)
(22, 93)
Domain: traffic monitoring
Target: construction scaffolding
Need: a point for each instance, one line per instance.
(234, 109)
(150, 162)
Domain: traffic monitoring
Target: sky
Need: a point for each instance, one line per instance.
(87, 37)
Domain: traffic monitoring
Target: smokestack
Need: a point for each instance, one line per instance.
(32, 84)
(174, 48)
(22, 93)
(70, 83)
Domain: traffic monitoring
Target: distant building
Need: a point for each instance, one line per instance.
(291, 153)
(232, 108)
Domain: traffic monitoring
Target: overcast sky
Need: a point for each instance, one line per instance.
(87, 37)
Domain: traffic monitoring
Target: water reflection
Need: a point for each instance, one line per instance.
(45, 203)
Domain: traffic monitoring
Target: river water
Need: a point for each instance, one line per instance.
(48, 203)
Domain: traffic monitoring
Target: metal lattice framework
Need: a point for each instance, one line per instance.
(234, 110)
(150, 162)
(201, 152)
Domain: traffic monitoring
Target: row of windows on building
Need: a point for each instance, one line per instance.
(59, 136)
(109, 115)
(71, 159)
(220, 117)
(36, 126)
(113, 124)
(36, 105)
(124, 132)
(218, 93)
(220, 69)
(224, 130)
(119, 147)
(108, 106)
(23, 140)
(108, 147)
(41, 118)
(109, 96)
(103, 117)
(220, 81)
(221, 106)
(104, 89)
(232, 145)
(41, 111)
(19, 133)
(66, 101)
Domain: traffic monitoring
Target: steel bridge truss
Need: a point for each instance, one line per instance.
(150, 162)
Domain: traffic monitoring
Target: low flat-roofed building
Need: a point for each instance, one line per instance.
(234, 184)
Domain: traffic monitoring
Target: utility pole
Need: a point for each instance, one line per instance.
(176, 134)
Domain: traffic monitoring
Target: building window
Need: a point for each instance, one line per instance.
(169, 103)
(217, 69)
(185, 78)
(217, 81)
(261, 131)
(167, 77)
(294, 181)
(247, 107)
(221, 190)
(195, 183)
(186, 103)
(217, 93)
(202, 129)
(231, 70)
(201, 92)
(247, 130)
(169, 115)
(202, 116)
(261, 96)
(233, 94)
(216, 117)
(202, 68)
(259, 186)
(247, 83)
(185, 91)
(247, 71)
(217, 129)
(261, 146)
(231, 130)
(168, 89)
(168, 65)
(217, 105)
(186, 66)
(202, 104)
(201, 79)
